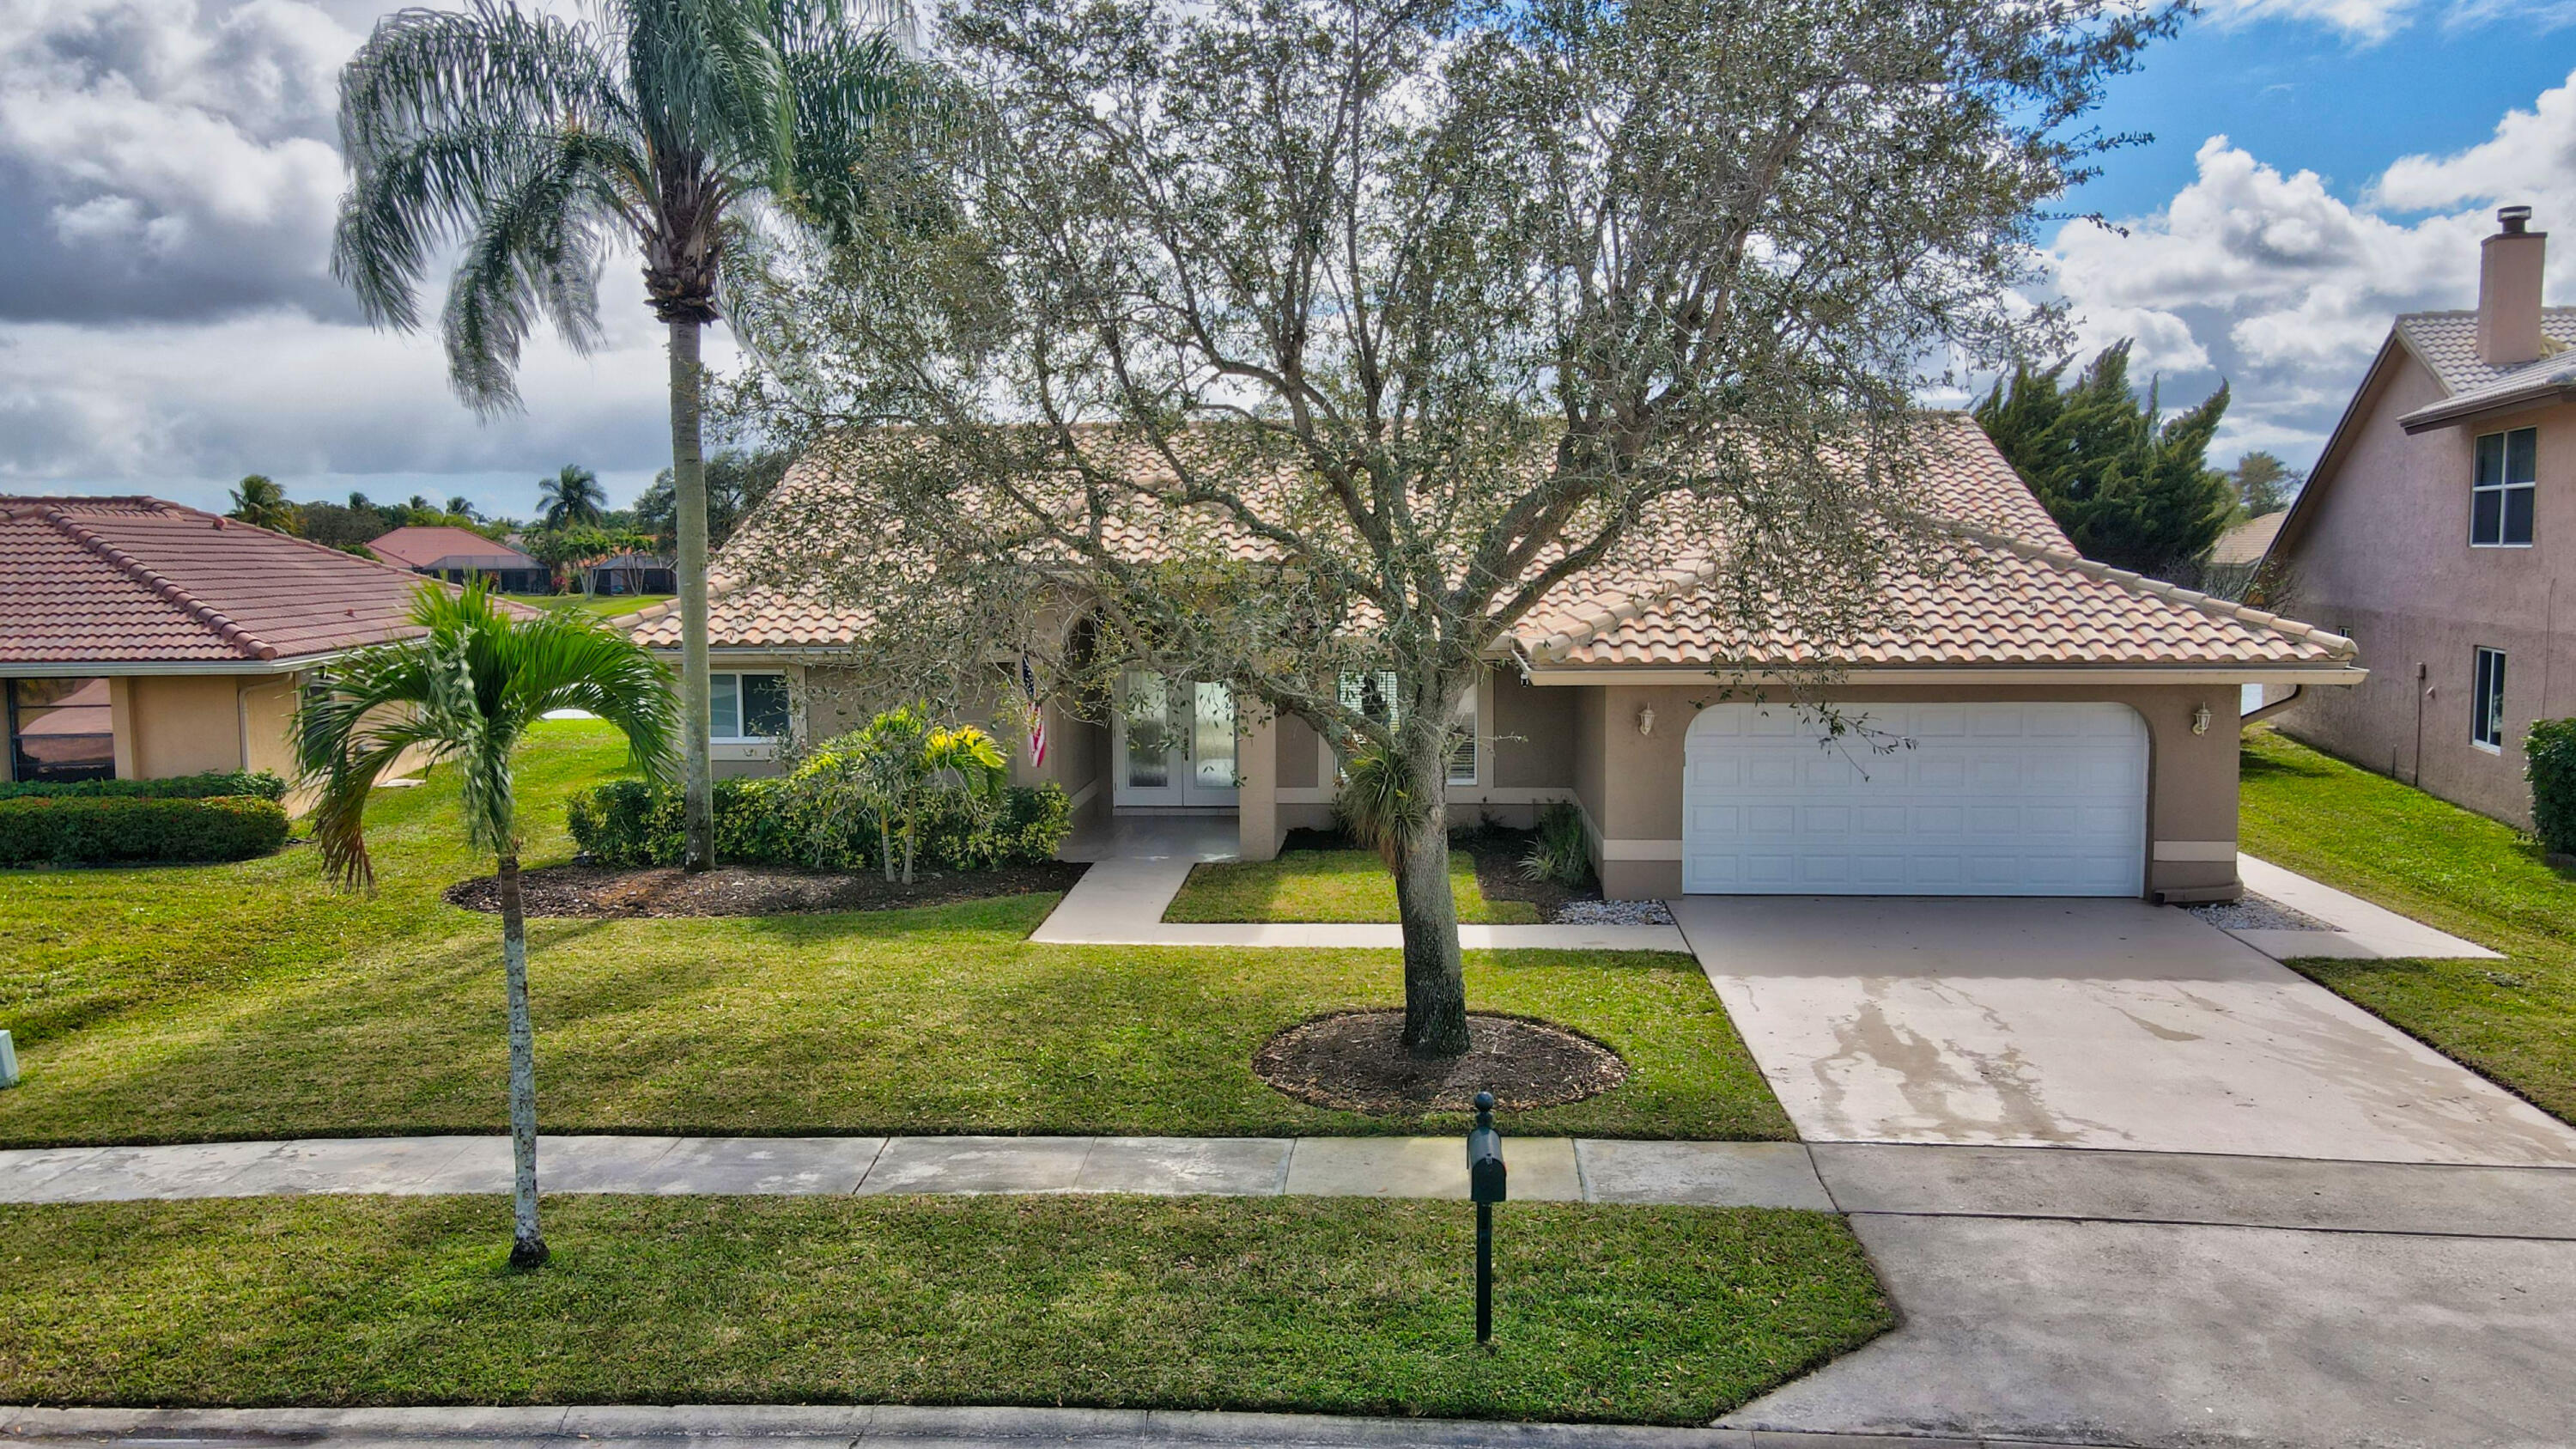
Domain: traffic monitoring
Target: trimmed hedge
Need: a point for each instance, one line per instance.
(105, 830)
(763, 822)
(2549, 763)
(258, 784)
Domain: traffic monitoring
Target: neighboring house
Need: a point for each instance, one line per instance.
(460, 555)
(2439, 530)
(141, 639)
(630, 573)
(2065, 728)
(2238, 556)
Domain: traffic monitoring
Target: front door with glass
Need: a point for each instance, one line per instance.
(1174, 742)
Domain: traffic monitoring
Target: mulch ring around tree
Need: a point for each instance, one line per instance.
(750, 890)
(1353, 1061)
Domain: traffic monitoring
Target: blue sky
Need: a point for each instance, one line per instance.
(167, 181)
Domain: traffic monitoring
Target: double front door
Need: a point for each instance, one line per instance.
(1174, 742)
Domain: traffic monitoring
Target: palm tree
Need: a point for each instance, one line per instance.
(460, 506)
(260, 502)
(465, 692)
(535, 139)
(893, 769)
(572, 496)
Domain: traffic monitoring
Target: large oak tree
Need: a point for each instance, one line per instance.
(1301, 340)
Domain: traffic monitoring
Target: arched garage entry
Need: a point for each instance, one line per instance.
(1993, 799)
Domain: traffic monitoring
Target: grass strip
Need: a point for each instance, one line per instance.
(1661, 1315)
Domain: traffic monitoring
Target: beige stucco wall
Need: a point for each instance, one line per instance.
(1630, 784)
(2384, 557)
(186, 724)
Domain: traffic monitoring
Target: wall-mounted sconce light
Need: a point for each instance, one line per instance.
(2200, 720)
(1646, 720)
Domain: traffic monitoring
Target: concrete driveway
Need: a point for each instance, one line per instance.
(2081, 1023)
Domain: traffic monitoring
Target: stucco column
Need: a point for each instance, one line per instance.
(120, 716)
(1256, 770)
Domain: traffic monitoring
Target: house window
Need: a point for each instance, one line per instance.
(2507, 483)
(2486, 701)
(748, 708)
(1373, 694)
(61, 729)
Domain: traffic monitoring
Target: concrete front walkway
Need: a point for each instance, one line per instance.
(1543, 1169)
(1120, 902)
(2084, 1023)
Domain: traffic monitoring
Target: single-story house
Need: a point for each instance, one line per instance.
(460, 556)
(2057, 727)
(630, 573)
(141, 639)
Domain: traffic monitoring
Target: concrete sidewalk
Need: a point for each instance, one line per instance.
(1120, 902)
(712, 1426)
(2362, 931)
(1543, 1169)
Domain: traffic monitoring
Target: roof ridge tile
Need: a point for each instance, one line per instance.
(224, 627)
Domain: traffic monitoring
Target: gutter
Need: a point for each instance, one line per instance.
(1847, 678)
(2475, 406)
(2275, 707)
(124, 668)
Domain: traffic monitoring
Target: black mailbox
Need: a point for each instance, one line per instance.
(1485, 1154)
(1485, 1188)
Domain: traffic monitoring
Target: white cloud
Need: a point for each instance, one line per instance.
(2365, 20)
(2273, 282)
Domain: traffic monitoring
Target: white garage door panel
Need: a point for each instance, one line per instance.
(1989, 799)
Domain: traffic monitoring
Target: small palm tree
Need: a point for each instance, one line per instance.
(259, 501)
(571, 498)
(535, 140)
(465, 692)
(895, 767)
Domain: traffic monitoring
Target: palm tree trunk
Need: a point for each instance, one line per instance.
(1435, 983)
(885, 848)
(527, 1245)
(689, 496)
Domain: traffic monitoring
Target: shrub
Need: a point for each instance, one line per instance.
(99, 830)
(2549, 763)
(764, 822)
(258, 784)
(1559, 853)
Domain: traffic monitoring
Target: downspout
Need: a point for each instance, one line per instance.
(2265, 712)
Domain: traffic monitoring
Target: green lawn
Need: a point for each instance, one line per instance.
(1326, 885)
(606, 605)
(2513, 1020)
(1670, 1315)
(252, 1001)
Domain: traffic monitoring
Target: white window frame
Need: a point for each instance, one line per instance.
(729, 682)
(2486, 699)
(2503, 486)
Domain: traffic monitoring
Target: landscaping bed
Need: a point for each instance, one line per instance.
(607, 892)
(1356, 1061)
(1659, 1315)
(1319, 876)
(2513, 1021)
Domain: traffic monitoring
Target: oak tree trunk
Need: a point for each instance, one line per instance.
(689, 496)
(1435, 985)
(527, 1245)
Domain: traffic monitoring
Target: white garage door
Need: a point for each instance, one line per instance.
(1975, 800)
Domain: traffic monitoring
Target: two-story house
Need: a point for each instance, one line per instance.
(2438, 531)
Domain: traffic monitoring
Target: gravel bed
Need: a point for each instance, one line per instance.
(1613, 913)
(2256, 913)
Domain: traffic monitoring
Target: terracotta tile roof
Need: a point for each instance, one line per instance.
(137, 580)
(441, 546)
(2005, 603)
(2020, 596)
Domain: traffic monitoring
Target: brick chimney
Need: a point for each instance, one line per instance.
(2509, 290)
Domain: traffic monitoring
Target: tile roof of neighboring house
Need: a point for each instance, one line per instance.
(442, 546)
(2248, 541)
(2019, 596)
(137, 580)
(2447, 343)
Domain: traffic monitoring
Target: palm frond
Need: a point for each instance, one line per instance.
(465, 692)
(709, 83)
(534, 252)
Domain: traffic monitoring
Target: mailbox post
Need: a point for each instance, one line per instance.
(1485, 1185)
